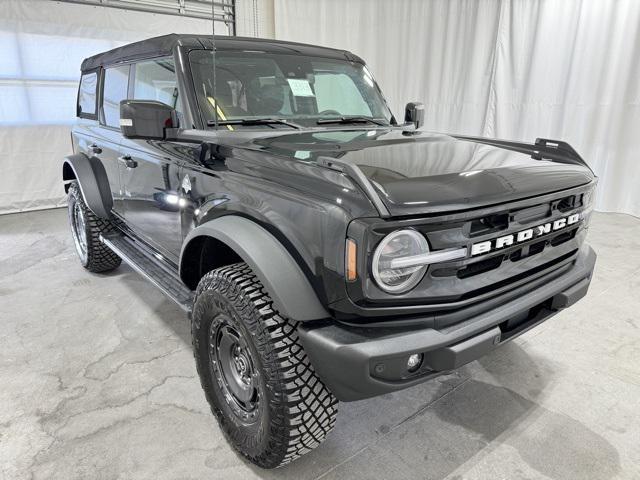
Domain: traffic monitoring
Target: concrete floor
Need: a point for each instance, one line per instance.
(97, 381)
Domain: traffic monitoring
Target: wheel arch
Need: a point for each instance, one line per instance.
(92, 179)
(235, 238)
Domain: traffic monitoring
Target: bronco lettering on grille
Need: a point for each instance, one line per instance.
(524, 235)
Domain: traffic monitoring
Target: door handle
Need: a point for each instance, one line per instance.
(128, 161)
(95, 149)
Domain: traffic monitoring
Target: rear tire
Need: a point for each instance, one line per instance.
(257, 378)
(86, 228)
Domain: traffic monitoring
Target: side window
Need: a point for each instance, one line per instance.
(87, 95)
(156, 80)
(116, 82)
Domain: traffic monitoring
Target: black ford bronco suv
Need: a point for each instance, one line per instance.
(323, 250)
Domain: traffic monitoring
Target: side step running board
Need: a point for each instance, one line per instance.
(156, 271)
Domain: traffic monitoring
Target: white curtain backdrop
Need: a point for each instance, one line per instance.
(42, 44)
(521, 69)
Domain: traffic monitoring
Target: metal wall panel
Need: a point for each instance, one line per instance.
(224, 10)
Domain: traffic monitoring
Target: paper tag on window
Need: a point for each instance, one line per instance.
(302, 154)
(300, 87)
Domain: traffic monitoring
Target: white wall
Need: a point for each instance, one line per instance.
(565, 70)
(520, 70)
(42, 44)
(254, 18)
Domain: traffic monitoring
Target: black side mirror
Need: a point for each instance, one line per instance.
(414, 113)
(146, 119)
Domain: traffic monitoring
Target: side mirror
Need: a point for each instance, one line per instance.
(146, 119)
(414, 113)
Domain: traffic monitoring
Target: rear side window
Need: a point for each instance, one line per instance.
(156, 80)
(116, 84)
(87, 95)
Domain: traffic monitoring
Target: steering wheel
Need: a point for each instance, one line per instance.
(330, 112)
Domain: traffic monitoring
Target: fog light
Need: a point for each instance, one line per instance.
(414, 362)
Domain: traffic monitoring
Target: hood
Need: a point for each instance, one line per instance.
(424, 172)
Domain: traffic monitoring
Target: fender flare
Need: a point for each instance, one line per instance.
(282, 277)
(93, 181)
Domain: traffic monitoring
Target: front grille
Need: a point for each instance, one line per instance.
(494, 270)
(475, 268)
(494, 262)
(489, 224)
(521, 276)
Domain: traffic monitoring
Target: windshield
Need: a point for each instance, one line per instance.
(298, 89)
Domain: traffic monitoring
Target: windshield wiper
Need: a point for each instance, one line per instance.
(254, 121)
(354, 119)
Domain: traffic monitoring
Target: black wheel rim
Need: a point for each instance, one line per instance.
(234, 369)
(78, 228)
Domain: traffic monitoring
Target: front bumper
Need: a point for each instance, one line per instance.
(361, 362)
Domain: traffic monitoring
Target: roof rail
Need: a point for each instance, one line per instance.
(355, 173)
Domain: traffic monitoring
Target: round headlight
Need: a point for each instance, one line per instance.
(399, 244)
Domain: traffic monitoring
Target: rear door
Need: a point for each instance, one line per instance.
(151, 169)
(106, 143)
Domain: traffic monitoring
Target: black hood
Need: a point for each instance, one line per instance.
(425, 172)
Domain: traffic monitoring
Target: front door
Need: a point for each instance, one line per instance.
(151, 169)
(152, 196)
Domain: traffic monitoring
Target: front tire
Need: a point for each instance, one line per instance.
(257, 378)
(86, 228)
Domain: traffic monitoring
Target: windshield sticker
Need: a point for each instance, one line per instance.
(302, 154)
(300, 87)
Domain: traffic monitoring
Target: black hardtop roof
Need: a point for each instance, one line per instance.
(164, 45)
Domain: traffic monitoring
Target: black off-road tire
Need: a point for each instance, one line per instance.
(295, 409)
(94, 255)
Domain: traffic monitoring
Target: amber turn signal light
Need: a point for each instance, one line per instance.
(352, 272)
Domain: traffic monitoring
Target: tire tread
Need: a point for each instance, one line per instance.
(307, 408)
(100, 258)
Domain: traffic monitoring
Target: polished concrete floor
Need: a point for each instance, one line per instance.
(97, 381)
